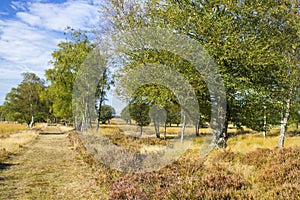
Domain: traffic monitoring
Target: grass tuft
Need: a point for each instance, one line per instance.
(8, 128)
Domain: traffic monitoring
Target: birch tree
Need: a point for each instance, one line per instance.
(254, 44)
(24, 103)
(66, 62)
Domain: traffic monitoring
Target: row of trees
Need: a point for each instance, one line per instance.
(142, 113)
(34, 101)
(255, 45)
(29, 103)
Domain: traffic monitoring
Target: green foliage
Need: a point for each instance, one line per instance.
(66, 62)
(125, 114)
(139, 111)
(107, 113)
(25, 101)
(255, 46)
(173, 113)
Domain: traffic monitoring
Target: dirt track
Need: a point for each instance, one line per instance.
(48, 168)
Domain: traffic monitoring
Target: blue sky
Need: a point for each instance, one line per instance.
(30, 31)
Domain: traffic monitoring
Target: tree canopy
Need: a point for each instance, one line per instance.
(25, 103)
(255, 45)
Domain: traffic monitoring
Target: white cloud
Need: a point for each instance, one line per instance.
(29, 18)
(3, 13)
(18, 5)
(28, 39)
(50, 16)
(24, 45)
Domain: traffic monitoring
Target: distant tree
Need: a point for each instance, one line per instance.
(2, 114)
(24, 103)
(158, 116)
(140, 113)
(125, 115)
(107, 113)
(173, 114)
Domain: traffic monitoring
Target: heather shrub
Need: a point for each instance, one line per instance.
(283, 168)
(224, 174)
(286, 191)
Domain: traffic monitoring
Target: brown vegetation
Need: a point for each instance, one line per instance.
(7, 128)
(258, 173)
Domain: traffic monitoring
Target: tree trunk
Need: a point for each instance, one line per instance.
(83, 126)
(141, 131)
(76, 125)
(156, 127)
(220, 133)
(221, 140)
(31, 122)
(99, 112)
(284, 122)
(86, 114)
(265, 122)
(101, 99)
(197, 127)
(183, 128)
(165, 131)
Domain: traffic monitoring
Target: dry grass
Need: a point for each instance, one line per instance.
(239, 141)
(48, 169)
(7, 128)
(13, 143)
(250, 168)
(250, 142)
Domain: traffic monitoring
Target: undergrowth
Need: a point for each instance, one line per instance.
(263, 173)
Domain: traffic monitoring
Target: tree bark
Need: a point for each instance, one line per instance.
(197, 127)
(183, 128)
(265, 122)
(141, 131)
(31, 122)
(156, 127)
(76, 125)
(284, 122)
(99, 111)
(220, 132)
(165, 131)
(101, 99)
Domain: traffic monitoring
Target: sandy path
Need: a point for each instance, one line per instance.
(48, 169)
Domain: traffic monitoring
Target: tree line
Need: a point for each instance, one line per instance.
(255, 45)
(50, 100)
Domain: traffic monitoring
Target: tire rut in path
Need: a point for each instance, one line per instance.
(48, 169)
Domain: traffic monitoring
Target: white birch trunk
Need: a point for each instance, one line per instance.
(165, 131)
(32, 122)
(183, 128)
(265, 122)
(284, 122)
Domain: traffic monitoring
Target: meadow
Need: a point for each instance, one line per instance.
(7, 128)
(251, 167)
(13, 137)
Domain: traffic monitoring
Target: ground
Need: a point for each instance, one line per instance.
(48, 168)
(51, 162)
